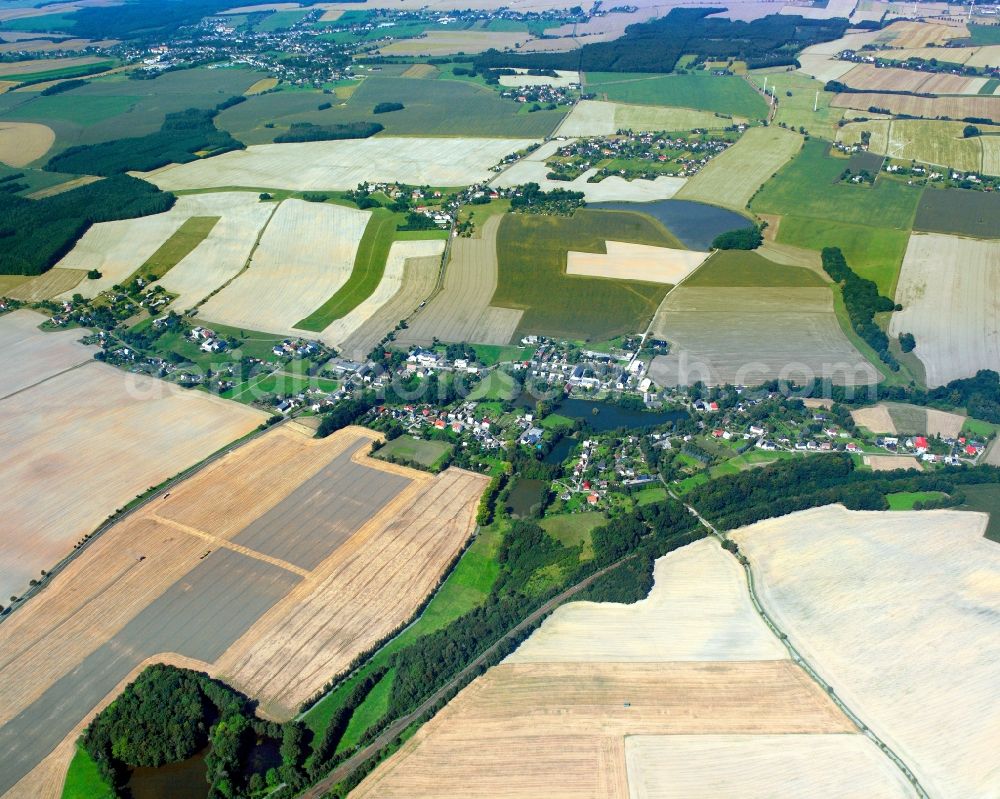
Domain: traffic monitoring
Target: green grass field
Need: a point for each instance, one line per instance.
(496, 385)
(875, 253)
(985, 499)
(984, 34)
(432, 108)
(556, 421)
(905, 500)
(650, 495)
(84, 781)
(368, 712)
(797, 110)
(189, 235)
(426, 453)
(280, 20)
(744, 268)
(45, 23)
(66, 72)
(574, 529)
(978, 427)
(532, 274)
(490, 354)
(724, 95)
(807, 187)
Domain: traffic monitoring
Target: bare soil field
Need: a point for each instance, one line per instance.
(48, 285)
(950, 291)
(448, 42)
(391, 284)
(31, 355)
(23, 142)
(601, 118)
(698, 610)
(891, 608)
(419, 278)
(746, 335)
(890, 463)
(343, 164)
(875, 418)
(369, 587)
(760, 767)
(175, 579)
(462, 311)
(225, 250)
(732, 178)
(86, 442)
(624, 261)
(981, 106)
(564, 78)
(305, 254)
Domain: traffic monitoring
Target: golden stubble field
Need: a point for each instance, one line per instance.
(900, 612)
(559, 716)
(625, 261)
(354, 574)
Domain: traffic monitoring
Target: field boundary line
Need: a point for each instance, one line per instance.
(140, 503)
(45, 379)
(227, 544)
(799, 660)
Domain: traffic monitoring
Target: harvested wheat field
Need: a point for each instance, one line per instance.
(698, 610)
(760, 767)
(343, 164)
(891, 463)
(59, 188)
(368, 588)
(950, 291)
(23, 142)
(87, 441)
(981, 106)
(943, 83)
(419, 278)
(462, 311)
(744, 336)
(420, 71)
(391, 284)
(261, 86)
(436, 42)
(875, 418)
(930, 141)
(47, 285)
(869, 78)
(45, 64)
(224, 252)
(305, 254)
(900, 612)
(908, 33)
(31, 355)
(563, 79)
(624, 261)
(611, 189)
(692, 659)
(602, 118)
(281, 560)
(732, 178)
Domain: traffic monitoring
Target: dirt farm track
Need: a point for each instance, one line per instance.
(238, 581)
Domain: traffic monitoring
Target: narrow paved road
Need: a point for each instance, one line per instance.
(389, 734)
(803, 663)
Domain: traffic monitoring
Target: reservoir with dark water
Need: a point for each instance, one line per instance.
(695, 224)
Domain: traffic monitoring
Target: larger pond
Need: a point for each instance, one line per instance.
(695, 224)
(604, 416)
(525, 497)
(560, 451)
(183, 780)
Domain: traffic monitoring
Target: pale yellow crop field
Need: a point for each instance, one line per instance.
(891, 463)
(698, 610)
(901, 613)
(23, 142)
(225, 250)
(31, 356)
(443, 42)
(980, 106)
(343, 164)
(462, 310)
(624, 261)
(867, 77)
(733, 177)
(400, 252)
(263, 85)
(14, 68)
(47, 285)
(87, 441)
(935, 142)
(950, 291)
(875, 418)
(760, 767)
(305, 254)
(564, 78)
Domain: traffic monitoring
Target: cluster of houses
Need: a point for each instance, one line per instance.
(882, 58)
(952, 450)
(207, 339)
